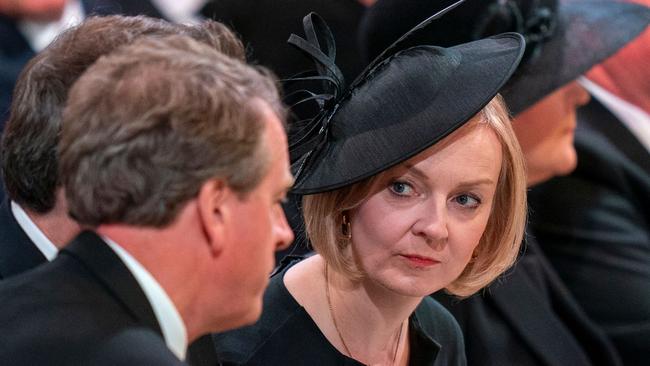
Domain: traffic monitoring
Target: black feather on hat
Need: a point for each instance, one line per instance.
(406, 100)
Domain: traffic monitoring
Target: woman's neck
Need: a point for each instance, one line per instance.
(361, 316)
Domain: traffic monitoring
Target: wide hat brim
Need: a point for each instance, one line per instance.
(407, 103)
(588, 31)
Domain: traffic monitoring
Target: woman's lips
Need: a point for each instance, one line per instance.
(420, 261)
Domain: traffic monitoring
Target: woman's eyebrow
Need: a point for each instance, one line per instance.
(476, 182)
(470, 183)
(416, 171)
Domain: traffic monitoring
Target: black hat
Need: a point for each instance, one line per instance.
(564, 39)
(405, 101)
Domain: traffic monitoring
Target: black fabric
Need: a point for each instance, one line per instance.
(124, 7)
(577, 35)
(528, 317)
(595, 227)
(265, 25)
(17, 252)
(63, 311)
(133, 347)
(286, 334)
(14, 54)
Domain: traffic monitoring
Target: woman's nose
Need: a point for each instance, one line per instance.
(432, 224)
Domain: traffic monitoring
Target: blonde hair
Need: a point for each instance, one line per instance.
(499, 244)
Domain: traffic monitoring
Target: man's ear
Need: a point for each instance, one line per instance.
(213, 212)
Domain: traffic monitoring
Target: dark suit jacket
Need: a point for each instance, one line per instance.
(594, 226)
(527, 317)
(65, 311)
(17, 252)
(133, 346)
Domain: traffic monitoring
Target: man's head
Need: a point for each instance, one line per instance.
(29, 161)
(174, 138)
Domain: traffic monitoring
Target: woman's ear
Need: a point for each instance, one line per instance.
(213, 213)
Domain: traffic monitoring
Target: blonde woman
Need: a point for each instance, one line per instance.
(413, 182)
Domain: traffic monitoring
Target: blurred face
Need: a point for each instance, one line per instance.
(545, 132)
(259, 227)
(43, 10)
(627, 74)
(417, 232)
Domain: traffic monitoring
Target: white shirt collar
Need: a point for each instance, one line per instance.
(180, 11)
(35, 234)
(171, 323)
(40, 34)
(633, 117)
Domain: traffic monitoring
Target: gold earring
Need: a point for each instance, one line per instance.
(345, 227)
(474, 256)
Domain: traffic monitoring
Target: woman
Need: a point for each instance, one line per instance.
(413, 182)
(528, 317)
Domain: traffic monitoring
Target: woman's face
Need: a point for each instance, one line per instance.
(545, 132)
(416, 233)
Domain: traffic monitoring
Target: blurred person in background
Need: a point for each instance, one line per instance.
(594, 224)
(28, 26)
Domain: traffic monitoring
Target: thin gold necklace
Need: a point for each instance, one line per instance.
(336, 326)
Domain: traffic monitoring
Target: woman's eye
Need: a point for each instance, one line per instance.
(401, 188)
(468, 201)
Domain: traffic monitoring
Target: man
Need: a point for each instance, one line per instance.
(595, 223)
(34, 223)
(176, 155)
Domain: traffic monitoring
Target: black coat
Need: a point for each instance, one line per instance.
(17, 252)
(594, 225)
(528, 317)
(65, 311)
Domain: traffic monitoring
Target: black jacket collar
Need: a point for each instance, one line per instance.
(89, 249)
